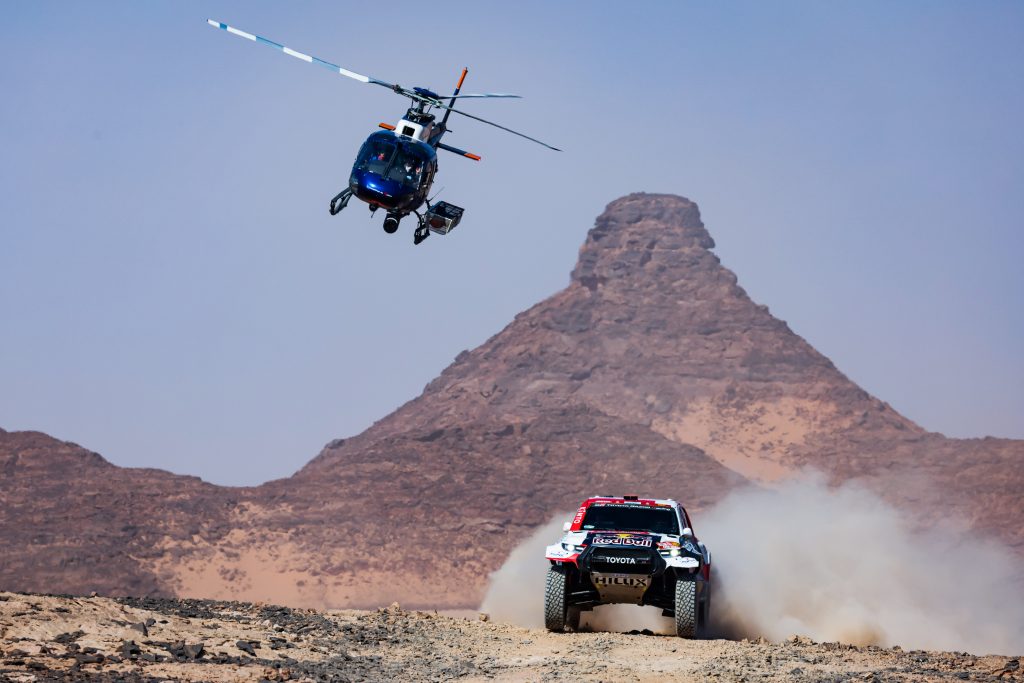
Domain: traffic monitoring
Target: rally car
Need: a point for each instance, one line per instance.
(630, 550)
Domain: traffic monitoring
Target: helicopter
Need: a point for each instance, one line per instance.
(396, 166)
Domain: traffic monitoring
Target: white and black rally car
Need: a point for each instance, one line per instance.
(629, 550)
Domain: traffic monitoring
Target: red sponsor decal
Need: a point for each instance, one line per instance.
(579, 517)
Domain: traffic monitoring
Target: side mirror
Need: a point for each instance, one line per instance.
(565, 527)
(688, 532)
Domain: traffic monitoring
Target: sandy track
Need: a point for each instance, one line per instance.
(66, 638)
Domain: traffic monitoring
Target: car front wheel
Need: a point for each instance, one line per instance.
(686, 609)
(555, 601)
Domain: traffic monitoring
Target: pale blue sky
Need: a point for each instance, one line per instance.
(173, 292)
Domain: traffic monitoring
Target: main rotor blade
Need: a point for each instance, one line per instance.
(299, 55)
(492, 123)
(376, 81)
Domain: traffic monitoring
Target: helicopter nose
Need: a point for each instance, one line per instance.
(378, 192)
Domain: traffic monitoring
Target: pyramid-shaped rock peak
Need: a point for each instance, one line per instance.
(638, 230)
(653, 329)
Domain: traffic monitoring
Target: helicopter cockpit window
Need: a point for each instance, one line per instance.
(408, 168)
(376, 156)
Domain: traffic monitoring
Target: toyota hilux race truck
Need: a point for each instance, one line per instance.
(630, 550)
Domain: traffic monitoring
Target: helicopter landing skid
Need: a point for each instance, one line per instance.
(422, 230)
(421, 233)
(340, 201)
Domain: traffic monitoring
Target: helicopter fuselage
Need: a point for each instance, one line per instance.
(393, 172)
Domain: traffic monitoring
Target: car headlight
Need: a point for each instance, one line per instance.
(572, 548)
(672, 552)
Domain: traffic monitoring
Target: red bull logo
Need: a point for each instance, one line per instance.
(624, 540)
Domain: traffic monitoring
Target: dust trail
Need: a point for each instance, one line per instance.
(841, 564)
(829, 563)
(515, 594)
(621, 618)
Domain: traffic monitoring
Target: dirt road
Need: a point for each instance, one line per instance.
(64, 638)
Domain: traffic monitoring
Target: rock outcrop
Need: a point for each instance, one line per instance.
(72, 522)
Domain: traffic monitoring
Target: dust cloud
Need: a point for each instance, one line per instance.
(841, 564)
(834, 564)
(515, 594)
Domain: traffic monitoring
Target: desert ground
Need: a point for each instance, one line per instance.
(57, 638)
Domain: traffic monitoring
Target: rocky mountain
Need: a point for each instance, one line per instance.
(652, 372)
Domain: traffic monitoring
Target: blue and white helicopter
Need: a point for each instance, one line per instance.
(396, 166)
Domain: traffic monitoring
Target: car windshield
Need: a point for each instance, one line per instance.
(659, 520)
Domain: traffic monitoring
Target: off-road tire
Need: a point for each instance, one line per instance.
(555, 608)
(686, 608)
